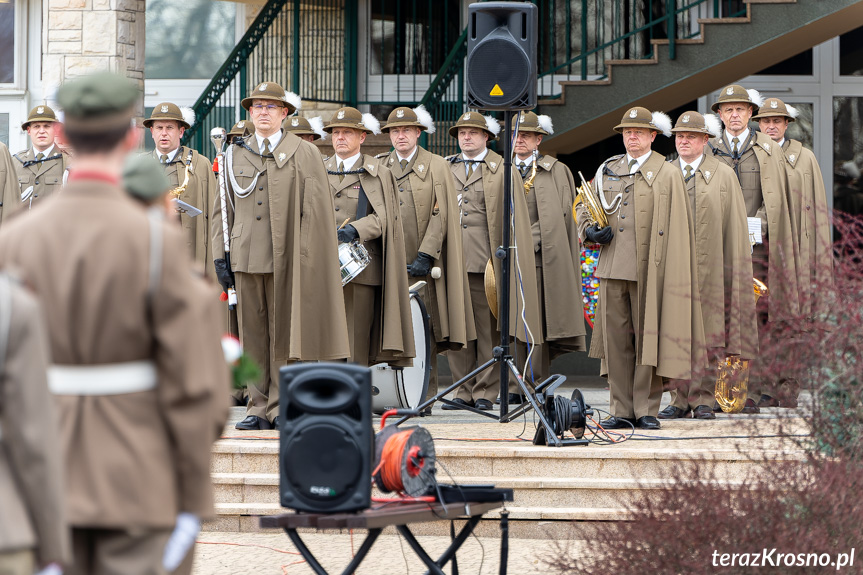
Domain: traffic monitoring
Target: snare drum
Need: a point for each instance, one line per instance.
(405, 388)
(353, 259)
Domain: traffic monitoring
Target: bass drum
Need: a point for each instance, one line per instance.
(405, 388)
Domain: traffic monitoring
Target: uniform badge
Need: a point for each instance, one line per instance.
(521, 118)
(707, 175)
(649, 175)
(40, 110)
(295, 122)
(400, 113)
(791, 157)
(164, 109)
(633, 113)
(370, 167)
(493, 165)
(341, 115)
(263, 87)
(547, 165)
(241, 124)
(686, 118)
(282, 157)
(730, 91)
(466, 117)
(420, 168)
(392, 160)
(774, 104)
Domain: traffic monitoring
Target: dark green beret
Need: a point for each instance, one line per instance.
(144, 177)
(98, 102)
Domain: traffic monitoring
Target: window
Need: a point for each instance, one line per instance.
(799, 65)
(4, 129)
(851, 53)
(8, 53)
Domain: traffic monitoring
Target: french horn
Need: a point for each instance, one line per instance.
(586, 197)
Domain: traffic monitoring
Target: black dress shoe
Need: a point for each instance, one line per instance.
(767, 401)
(253, 422)
(750, 407)
(458, 401)
(647, 422)
(276, 422)
(716, 408)
(672, 412)
(515, 399)
(617, 423)
(483, 404)
(701, 412)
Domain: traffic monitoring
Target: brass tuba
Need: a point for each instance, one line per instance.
(732, 376)
(586, 197)
(178, 191)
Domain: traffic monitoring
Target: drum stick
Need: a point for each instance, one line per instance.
(344, 222)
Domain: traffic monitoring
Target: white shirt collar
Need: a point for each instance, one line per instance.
(781, 142)
(274, 140)
(348, 162)
(526, 162)
(694, 164)
(741, 138)
(46, 152)
(480, 157)
(409, 158)
(170, 155)
(639, 160)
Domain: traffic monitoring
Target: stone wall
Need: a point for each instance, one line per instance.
(84, 36)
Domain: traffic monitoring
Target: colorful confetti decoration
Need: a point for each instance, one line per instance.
(589, 282)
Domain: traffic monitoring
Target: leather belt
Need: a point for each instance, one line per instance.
(104, 379)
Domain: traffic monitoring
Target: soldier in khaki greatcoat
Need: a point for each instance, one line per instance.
(10, 193)
(33, 528)
(284, 255)
(138, 376)
(557, 251)
(478, 174)
(167, 124)
(310, 129)
(760, 167)
(429, 208)
(40, 167)
(365, 209)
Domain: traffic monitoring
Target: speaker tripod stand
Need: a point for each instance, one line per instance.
(534, 399)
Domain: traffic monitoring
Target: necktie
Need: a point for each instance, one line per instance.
(522, 167)
(687, 172)
(734, 142)
(341, 169)
(266, 149)
(164, 158)
(632, 165)
(470, 170)
(40, 156)
(404, 164)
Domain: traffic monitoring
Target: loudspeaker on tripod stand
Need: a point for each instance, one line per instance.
(501, 56)
(326, 440)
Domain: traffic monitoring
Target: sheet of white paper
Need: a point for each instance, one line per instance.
(755, 231)
(185, 208)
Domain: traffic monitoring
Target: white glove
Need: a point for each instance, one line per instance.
(181, 542)
(52, 569)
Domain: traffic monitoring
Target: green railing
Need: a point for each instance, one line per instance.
(445, 99)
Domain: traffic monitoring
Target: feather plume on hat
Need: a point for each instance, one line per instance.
(317, 124)
(792, 111)
(294, 100)
(188, 116)
(662, 123)
(492, 125)
(713, 125)
(545, 123)
(372, 124)
(755, 97)
(424, 118)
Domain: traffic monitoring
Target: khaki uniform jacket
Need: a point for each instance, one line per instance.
(428, 180)
(724, 258)
(394, 340)
(45, 178)
(554, 194)
(31, 464)
(812, 219)
(763, 156)
(489, 180)
(283, 227)
(671, 328)
(133, 459)
(10, 194)
(201, 192)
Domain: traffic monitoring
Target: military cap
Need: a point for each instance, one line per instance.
(144, 177)
(404, 117)
(476, 120)
(98, 102)
(694, 122)
(274, 92)
(241, 128)
(305, 127)
(41, 113)
(639, 117)
(169, 111)
(530, 122)
(735, 93)
(774, 107)
(348, 117)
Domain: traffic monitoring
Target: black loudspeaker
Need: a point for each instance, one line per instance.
(326, 438)
(502, 55)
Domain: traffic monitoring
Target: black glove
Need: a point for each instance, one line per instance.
(422, 265)
(348, 234)
(224, 275)
(599, 236)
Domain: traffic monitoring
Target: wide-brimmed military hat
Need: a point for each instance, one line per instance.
(144, 177)
(476, 120)
(242, 128)
(166, 111)
(404, 117)
(638, 117)
(274, 92)
(530, 122)
(98, 102)
(774, 107)
(41, 113)
(305, 127)
(694, 122)
(736, 93)
(348, 117)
